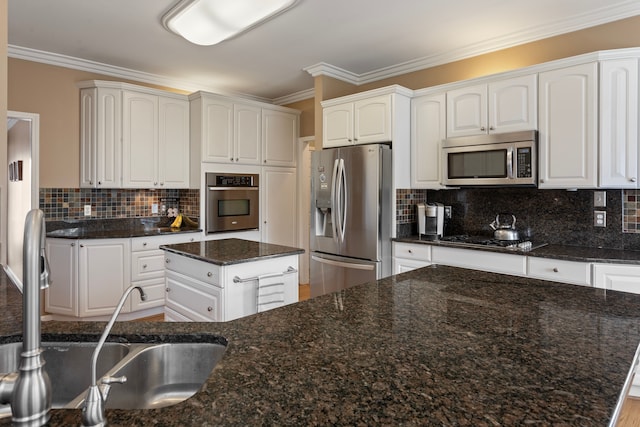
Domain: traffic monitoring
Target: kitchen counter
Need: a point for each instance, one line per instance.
(231, 251)
(433, 346)
(114, 228)
(562, 252)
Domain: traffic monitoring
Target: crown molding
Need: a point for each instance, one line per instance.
(295, 97)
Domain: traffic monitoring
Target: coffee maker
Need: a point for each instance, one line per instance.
(434, 221)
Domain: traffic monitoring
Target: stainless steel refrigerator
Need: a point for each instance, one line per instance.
(351, 216)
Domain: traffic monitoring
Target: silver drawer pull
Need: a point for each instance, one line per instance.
(167, 261)
(209, 309)
(168, 289)
(209, 274)
(555, 269)
(144, 266)
(144, 244)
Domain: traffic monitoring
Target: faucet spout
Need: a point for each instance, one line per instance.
(93, 406)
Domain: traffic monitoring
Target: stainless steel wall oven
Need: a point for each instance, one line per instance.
(232, 202)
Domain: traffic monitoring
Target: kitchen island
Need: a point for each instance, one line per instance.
(433, 346)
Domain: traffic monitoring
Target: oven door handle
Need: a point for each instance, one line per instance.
(233, 188)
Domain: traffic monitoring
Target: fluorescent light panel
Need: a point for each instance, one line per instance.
(207, 22)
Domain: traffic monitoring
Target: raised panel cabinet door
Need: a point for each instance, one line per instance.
(217, 131)
(568, 125)
(619, 123)
(372, 120)
(103, 267)
(88, 117)
(61, 297)
(279, 138)
(173, 143)
(279, 206)
(625, 278)
(428, 129)
(467, 111)
(513, 104)
(247, 133)
(337, 125)
(140, 140)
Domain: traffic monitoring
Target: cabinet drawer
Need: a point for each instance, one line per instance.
(147, 265)
(577, 273)
(416, 252)
(154, 289)
(150, 243)
(193, 299)
(495, 262)
(625, 278)
(199, 270)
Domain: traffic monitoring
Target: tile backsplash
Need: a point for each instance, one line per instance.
(553, 216)
(68, 203)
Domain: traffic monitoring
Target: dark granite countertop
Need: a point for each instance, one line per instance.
(231, 251)
(433, 346)
(120, 228)
(562, 252)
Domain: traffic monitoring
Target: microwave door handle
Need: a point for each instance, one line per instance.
(510, 163)
(334, 201)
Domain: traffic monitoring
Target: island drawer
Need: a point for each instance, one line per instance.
(192, 299)
(197, 269)
(574, 272)
(417, 252)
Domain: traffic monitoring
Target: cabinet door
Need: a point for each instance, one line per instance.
(372, 120)
(428, 129)
(279, 206)
(173, 143)
(140, 140)
(217, 131)
(103, 276)
(625, 278)
(513, 104)
(467, 111)
(88, 116)
(279, 138)
(619, 123)
(61, 297)
(247, 133)
(401, 265)
(337, 125)
(568, 127)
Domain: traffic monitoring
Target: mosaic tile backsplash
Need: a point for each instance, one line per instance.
(552, 216)
(68, 203)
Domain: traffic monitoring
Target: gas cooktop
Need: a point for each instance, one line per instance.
(475, 241)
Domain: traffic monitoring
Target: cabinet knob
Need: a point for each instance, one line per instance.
(168, 289)
(231, 159)
(81, 245)
(90, 182)
(144, 266)
(492, 128)
(237, 159)
(541, 180)
(161, 184)
(99, 182)
(167, 260)
(555, 269)
(410, 251)
(632, 179)
(209, 308)
(73, 244)
(144, 244)
(482, 128)
(209, 274)
(155, 183)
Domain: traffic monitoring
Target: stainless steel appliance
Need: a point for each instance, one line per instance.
(351, 216)
(232, 202)
(496, 159)
(520, 245)
(505, 230)
(434, 220)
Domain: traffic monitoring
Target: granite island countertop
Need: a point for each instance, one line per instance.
(433, 346)
(231, 251)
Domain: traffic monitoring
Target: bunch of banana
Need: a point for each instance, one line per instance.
(183, 220)
(177, 223)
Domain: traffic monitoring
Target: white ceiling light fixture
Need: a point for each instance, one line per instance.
(207, 22)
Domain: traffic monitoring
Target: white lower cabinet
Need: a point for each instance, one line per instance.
(617, 277)
(495, 262)
(574, 272)
(408, 256)
(200, 291)
(61, 297)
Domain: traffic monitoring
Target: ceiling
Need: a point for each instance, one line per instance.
(360, 40)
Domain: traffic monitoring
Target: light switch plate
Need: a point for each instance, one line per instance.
(599, 199)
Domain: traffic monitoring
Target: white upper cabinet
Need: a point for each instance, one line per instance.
(100, 138)
(140, 140)
(502, 106)
(247, 134)
(173, 143)
(428, 129)
(279, 138)
(568, 124)
(619, 123)
(337, 123)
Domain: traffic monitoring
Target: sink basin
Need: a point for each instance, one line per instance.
(157, 374)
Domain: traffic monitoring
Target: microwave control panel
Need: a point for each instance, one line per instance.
(524, 160)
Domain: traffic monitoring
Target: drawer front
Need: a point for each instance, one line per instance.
(147, 265)
(495, 262)
(150, 243)
(174, 316)
(155, 290)
(199, 270)
(416, 252)
(577, 273)
(195, 300)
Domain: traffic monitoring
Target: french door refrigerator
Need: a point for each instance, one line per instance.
(351, 216)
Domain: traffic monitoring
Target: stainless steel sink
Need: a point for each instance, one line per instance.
(157, 374)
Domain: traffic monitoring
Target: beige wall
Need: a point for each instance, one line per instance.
(306, 107)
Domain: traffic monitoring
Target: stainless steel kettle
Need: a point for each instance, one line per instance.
(505, 230)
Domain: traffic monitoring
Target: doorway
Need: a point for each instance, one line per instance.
(23, 130)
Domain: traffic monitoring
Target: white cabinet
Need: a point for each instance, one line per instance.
(100, 137)
(617, 277)
(495, 262)
(574, 272)
(61, 297)
(428, 129)
(619, 123)
(279, 138)
(568, 123)
(361, 122)
(247, 134)
(155, 141)
(201, 291)
(279, 206)
(502, 106)
(409, 256)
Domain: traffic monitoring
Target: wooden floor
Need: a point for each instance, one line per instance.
(304, 293)
(630, 414)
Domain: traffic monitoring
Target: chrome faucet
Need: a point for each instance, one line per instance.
(93, 406)
(29, 390)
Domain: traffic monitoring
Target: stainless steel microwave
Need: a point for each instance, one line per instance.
(505, 159)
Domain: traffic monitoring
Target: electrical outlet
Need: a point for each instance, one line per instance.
(87, 210)
(599, 199)
(599, 218)
(154, 208)
(447, 212)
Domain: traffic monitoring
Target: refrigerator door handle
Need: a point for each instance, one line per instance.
(343, 264)
(334, 200)
(342, 197)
